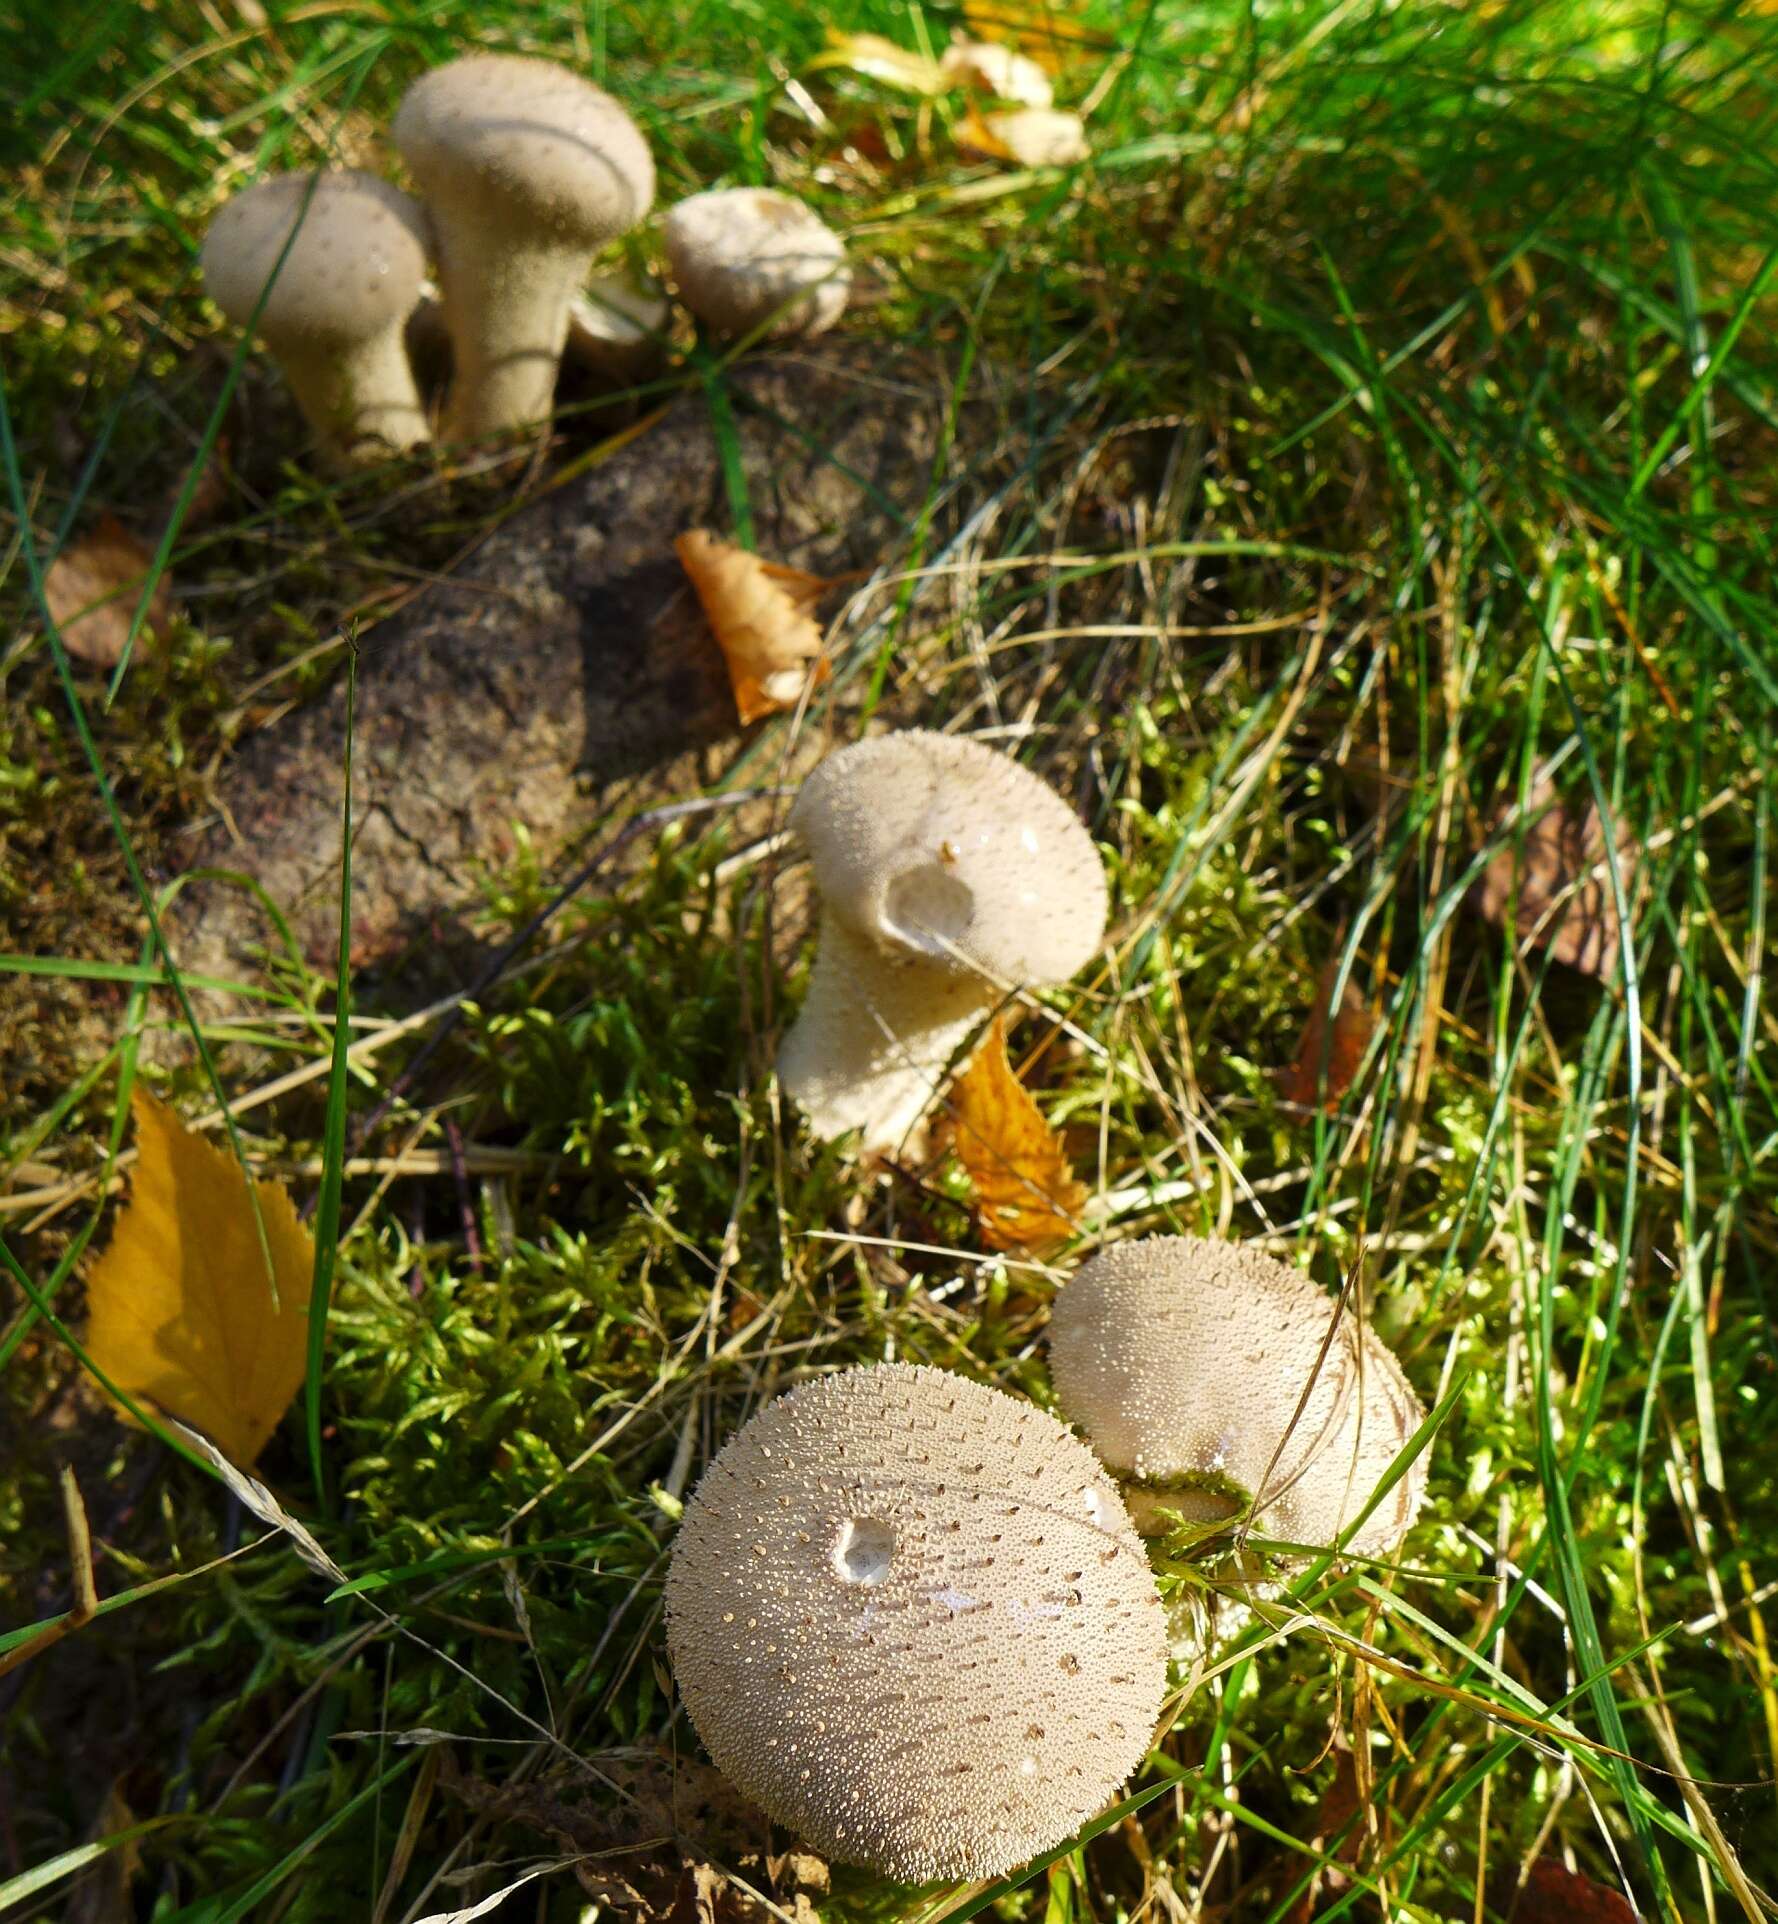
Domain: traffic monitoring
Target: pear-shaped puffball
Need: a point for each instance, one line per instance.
(527, 171)
(1186, 1363)
(948, 874)
(909, 1617)
(334, 304)
(749, 258)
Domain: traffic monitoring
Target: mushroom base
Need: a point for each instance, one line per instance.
(360, 400)
(876, 1038)
(507, 310)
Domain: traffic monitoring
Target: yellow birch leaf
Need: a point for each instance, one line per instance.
(1025, 1192)
(181, 1311)
(759, 613)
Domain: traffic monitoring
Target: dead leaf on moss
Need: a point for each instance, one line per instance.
(759, 613)
(1576, 919)
(1353, 1027)
(92, 588)
(1553, 1894)
(1027, 136)
(181, 1309)
(989, 68)
(878, 58)
(1025, 1192)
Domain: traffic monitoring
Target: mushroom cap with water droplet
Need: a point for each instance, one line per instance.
(910, 1618)
(946, 852)
(1185, 1361)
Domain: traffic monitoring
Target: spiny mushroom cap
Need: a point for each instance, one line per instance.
(1185, 1360)
(526, 140)
(939, 850)
(909, 1616)
(354, 269)
(742, 256)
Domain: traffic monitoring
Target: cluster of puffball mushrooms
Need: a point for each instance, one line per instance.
(525, 173)
(913, 1617)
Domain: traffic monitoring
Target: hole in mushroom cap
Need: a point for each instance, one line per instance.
(929, 909)
(1099, 1512)
(864, 1550)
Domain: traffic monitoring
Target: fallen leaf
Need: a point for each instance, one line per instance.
(101, 1893)
(1004, 72)
(759, 614)
(1555, 1895)
(1036, 30)
(181, 1309)
(92, 588)
(878, 58)
(1579, 925)
(1353, 1027)
(1025, 1192)
(1030, 136)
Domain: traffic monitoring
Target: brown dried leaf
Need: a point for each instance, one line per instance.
(1578, 925)
(760, 615)
(1353, 1027)
(1027, 136)
(1025, 1192)
(1556, 1895)
(92, 588)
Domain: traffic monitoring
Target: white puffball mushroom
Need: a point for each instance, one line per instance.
(909, 1617)
(749, 259)
(527, 170)
(947, 874)
(617, 328)
(334, 313)
(1185, 1362)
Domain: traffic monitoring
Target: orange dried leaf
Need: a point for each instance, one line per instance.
(1026, 136)
(1353, 1027)
(1040, 30)
(1025, 1192)
(92, 588)
(759, 613)
(1558, 885)
(182, 1312)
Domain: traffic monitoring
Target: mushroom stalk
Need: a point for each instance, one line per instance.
(362, 401)
(875, 1037)
(507, 309)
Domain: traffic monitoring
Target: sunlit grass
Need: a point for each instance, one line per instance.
(1385, 413)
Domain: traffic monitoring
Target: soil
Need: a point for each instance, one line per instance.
(562, 677)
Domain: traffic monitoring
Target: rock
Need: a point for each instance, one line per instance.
(564, 675)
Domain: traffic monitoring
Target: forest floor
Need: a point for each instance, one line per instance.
(1371, 444)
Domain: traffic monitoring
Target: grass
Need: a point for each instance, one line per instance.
(1385, 413)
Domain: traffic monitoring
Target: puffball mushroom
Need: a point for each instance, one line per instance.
(617, 328)
(749, 258)
(1186, 1363)
(947, 873)
(527, 171)
(909, 1616)
(333, 315)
